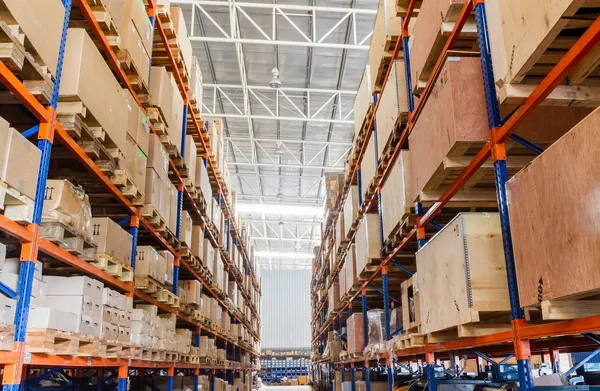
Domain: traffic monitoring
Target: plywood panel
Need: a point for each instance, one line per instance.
(393, 105)
(455, 118)
(396, 194)
(553, 206)
(461, 273)
(351, 271)
(367, 241)
(363, 100)
(521, 31)
(369, 163)
(351, 208)
(427, 29)
(386, 30)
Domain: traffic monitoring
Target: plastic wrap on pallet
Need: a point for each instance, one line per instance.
(376, 321)
(396, 319)
(69, 205)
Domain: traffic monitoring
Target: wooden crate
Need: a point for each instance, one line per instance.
(333, 297)
(453, 127)
(402, 7)
(350, 211)
(558, 190)
(352, 281)
(529, 37)
(363, 103)
(386, 33)
(461, 277)
(367, 242)
(432, 29)
(396, 194)
(393, 106)
(355, 333)
(411, 315)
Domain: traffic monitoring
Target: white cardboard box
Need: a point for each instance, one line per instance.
(109, 331)
(7, 310)
(51, 318)
(110, 314)
(13, 265)
(124, 334)
(89, 326)
(74, 286)
(79, 305)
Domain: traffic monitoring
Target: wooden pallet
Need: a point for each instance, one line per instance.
(85, 130)
(14, 205)
(399, 232)
(147, 284)
(122, 180)
(584, 305)
(68, 239)
(150, 213)
(22, 62)
(134, 76)
(115, 349)
(410, 340)
(113, 267)
(159, 51)
(49, 341)
(158, 121)
(402, 6)
(174, 153)
(167, 297)
(171, 356)
(102, 16)
(495, 324)
(7, 336)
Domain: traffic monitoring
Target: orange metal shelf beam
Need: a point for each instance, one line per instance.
(14, 85)
(15, 230)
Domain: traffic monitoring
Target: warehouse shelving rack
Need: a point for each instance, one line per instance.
(523, 339)
(49, 130)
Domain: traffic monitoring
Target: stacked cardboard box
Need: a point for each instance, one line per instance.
(193, 292)
(183, 341)
(202, 183)
(143, 324)
(165, 95)
(155, 264)
(116, 322)
(112, 240)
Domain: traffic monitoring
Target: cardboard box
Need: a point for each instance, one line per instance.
(126, 244)
(153, 189)
(137, 126)
(158, 159)
(74, 286)
(79, 305)
(21, 161)
(41, 21)
(110, 332)
(190, 158)
(172, 206)
(107, 235)
(89, 326)
(51, 318)
(146, 262)
(87, 76)
(68, 204)
(109, 314)
(161, 92)
(186, 229)
(168, 266)
(185, 45)
(197, 241)
(124, 334)
(7, 310)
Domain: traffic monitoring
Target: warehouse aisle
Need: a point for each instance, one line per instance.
(285, 388)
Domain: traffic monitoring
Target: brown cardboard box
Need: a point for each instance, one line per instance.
(137, 123)
(190, 158)
(125, 247)
(197, 241)
(107, 235)
(87, 77)
(356, 338)
(367, 241)
(158, 159)
(186, 229)
(161, 91)
(5, 133)
(202, 183)
(182, 37)
(168, 266)
(153, 188)
(21, 164)
(129, 17)
(68, 204)
(146, 262)
(172, 206)
(41, 21)
(176, 120)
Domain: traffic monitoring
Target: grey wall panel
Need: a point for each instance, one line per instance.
(285, 309)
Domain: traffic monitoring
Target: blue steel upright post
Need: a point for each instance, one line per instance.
(180, 189)
(366, 337)
(13, 372)
(522, 350)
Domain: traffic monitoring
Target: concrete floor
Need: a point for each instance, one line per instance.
(284, 388)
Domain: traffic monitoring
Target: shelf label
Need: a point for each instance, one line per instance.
(89, 361)
(27, 357)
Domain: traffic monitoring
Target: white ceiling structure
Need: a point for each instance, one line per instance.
(280, 142)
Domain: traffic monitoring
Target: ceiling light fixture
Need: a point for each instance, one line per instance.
(278, 149)
(275, 81)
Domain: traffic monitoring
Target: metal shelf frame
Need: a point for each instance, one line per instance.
(522, 340)
(49, 130)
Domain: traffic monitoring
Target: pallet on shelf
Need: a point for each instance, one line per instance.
(123, 181)
(431, 32)
(461, 279)
(67, 238)
(386, 32)
(527, 41)
(451, 134)
(14, 205)
(113, 267)
(61, 343)
(411, 308)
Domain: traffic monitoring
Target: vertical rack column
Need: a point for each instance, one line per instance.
(521, 347)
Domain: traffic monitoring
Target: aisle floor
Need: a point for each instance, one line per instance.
(284, 388)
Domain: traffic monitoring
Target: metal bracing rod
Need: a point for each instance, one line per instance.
(289, 7)
(280, 118)
(505, 359)
(295, 166)
(381, 292)
(526, 143)
(283, 88)
(321, 45)
(290, 141)
(483, 356)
